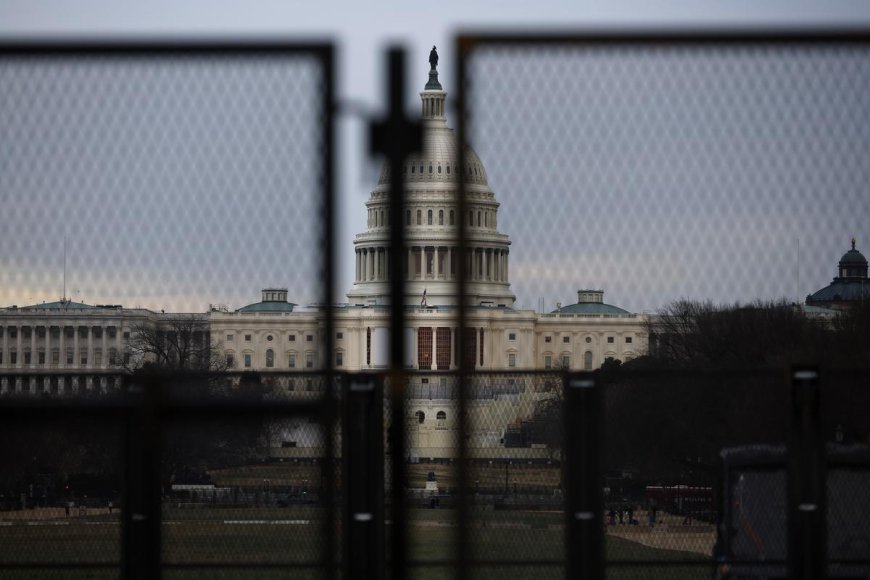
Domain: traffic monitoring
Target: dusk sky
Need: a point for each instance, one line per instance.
(760, 157)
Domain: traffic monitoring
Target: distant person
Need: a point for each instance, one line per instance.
(110, 506)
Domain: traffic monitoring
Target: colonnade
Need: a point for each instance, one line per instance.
(53, 346)
(433, 263)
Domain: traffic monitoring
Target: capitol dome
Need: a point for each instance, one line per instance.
(431, 224)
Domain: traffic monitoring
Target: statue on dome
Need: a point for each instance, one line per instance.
(433, 58)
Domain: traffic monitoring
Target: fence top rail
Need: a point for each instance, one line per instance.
(468, 40)
(157, 45)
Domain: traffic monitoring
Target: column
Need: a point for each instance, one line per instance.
(435, 264)
(103, 349)
(33, 358)
(434, 359)
(90, 347)
(47, 345)
(62, 348)
(18, 345)
(75, 346)
(448, 266)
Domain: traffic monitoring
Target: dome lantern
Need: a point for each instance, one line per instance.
(433, 95)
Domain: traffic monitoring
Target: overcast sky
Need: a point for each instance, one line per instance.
(637, 275)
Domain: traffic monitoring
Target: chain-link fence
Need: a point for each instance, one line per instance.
(696, 189)
(173, 176)
(518, 432)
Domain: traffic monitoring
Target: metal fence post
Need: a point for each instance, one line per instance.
(140, 507)
(581, 472)
(397, 137)
(807, 522)
(363, 481)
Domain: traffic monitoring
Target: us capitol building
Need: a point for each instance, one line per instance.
(40, 344)
(66, 348)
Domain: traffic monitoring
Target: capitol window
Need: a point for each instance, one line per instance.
(291, 360)
(566, 361)
(247, 360)
(609, 340)
(247, 338)
(229, 338)
(548, 339)
(309, 360)
(291, 337)
(309, 338)
(512, 360)
(439, 169)
(451, 217)
(548, 362)
(229, 360)
(419, 217)
(339, 359)
(627, 340)
(512, 336)
(440, 217)
(429, 217)
(270, 358)
(441, 420)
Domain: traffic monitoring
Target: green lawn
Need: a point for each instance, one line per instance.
(295, 536)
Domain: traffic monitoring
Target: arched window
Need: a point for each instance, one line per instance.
(448, 170)
(421, 416)
(270, 358)
(430, 168)
(407, 217)
(587, 361)
(419, 217)
(429, 217)
(478, 219)
(441, 420)
(470, 218)
(440, 217)
(439, 169)
(486, 219)
(382, 218)
(451, 217)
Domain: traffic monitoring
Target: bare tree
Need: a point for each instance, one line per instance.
(176, 342)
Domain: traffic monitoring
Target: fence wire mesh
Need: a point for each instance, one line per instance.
(61, 482)
(695, 193)
(145, 189)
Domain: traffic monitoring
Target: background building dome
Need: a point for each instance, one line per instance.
(848, 287)
(591, 302)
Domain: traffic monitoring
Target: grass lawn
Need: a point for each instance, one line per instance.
(295, 536)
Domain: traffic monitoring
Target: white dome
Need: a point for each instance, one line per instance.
(431, 257)
(439, 161)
